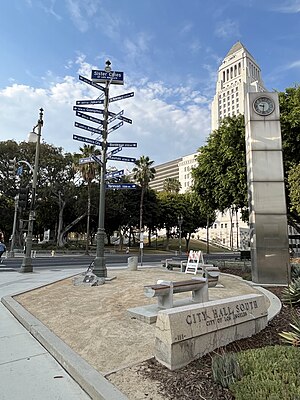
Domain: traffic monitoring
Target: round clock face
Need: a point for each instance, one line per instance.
(264, 105)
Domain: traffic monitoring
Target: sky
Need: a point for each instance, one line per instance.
(168, 50)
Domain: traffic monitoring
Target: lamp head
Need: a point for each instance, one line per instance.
(32, 137)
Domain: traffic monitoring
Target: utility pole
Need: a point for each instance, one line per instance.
(27, 260)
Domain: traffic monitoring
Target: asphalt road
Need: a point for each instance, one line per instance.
(112, 260)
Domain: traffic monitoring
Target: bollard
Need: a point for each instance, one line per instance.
(132, 263)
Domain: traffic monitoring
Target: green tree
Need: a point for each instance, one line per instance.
(294, 188)
(143, 174)
(88, 173)
(172, 185)
(220, 179)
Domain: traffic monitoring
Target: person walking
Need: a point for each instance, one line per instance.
(2, 250)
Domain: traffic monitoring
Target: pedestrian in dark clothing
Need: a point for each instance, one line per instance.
(2, 250)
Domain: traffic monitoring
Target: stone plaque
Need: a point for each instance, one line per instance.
(186, 333)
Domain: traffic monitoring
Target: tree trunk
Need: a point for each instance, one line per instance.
(61, 207)
(61, 238)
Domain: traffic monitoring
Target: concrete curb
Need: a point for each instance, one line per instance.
(275, 303)
(94, 384)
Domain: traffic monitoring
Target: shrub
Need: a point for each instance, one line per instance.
(295, 271)
(225, 368)
(291, 294)
(292, 337)
(269, 373)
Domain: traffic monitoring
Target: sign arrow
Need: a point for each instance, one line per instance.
(89, 117)
(121, 97)
(129, 121)
(116, 116)
(117, 144)
(114, 152)
(120, 186)
(88, 128)
(115, 127)
(86, 102)
(120, 158)
(87, 109)
(114, 174)
(85, 160)
(89, 82)
(97, 159)
(87, 140)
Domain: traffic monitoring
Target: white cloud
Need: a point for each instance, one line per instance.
(168, 122)
(294, 64)
(227, 28)
(81, 12)
(289, 6)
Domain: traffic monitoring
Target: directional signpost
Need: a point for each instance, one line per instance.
(121, 186)
(107, 77)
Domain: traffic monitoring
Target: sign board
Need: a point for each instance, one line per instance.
(117, 150)
(85, 80)
(114, 174)
(120, 186)
(89, 117)
(115, 127)
(101, 76)
(129, 121)
(121, 144)
(111, 119)
(120, 158)
(85, 160)
(87, 109)
(121, 97)
(88, 128)
(97, 159)
(86, 102)
(194, 260)
(87, 140)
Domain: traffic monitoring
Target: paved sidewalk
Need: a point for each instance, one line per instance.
(27, 370)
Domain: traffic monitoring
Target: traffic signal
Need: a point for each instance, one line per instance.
(12, 168)
(23, 197)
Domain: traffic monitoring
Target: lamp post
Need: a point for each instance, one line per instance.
(99, 262)
(180, 221)
(36, 137)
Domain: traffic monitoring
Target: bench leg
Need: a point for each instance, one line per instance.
(166, 301)
(200, 295)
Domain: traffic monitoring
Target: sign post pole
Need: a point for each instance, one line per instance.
(100, 269)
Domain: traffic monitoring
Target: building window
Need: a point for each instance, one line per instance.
(225, 226)
(215, 226)
(221, 226)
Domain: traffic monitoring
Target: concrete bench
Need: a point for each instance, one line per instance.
(171, 263)
(164, 291)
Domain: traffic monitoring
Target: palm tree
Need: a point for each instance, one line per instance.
(88, 173)
(172, 185)
(143, 174)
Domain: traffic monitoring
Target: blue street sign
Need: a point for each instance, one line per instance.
(85, 80)
(111, 76)
(120, 158)
(86, 102)
(89, 117)
(120, 144)
(97, 159)
(87, 109)
(115, 127)
(85, 160)
(111, 119)
(121, 97)
(120, 186)
(87, 140)
(129, 121)
(114, 152)
(114, 174)
(88, 128)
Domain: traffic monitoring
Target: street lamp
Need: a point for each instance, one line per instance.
(100, 269)
(32, 137)
(180, 221)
